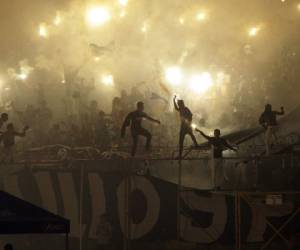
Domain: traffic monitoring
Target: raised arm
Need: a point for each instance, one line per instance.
(281, 112)
(126, 123)
(175, 104)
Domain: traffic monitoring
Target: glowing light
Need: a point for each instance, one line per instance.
(22, 76)
(97, 59)
(123, 2)
(201, 16)
(123, 14)
(43, 32)
(97, 16)
(181, 20)
(194, 126)
(253, 31)
(145, 27)
(174, 75)
(57, 20)
(201, 83)
(298, 6)
(108, 80)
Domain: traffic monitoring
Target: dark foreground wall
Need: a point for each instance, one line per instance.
(84, 193)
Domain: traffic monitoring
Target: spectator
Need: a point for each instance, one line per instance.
(8, 140)
(3, 119)
(218, 144)
(268, 120)
(134, 119)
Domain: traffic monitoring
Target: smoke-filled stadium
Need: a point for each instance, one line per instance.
(147, 124)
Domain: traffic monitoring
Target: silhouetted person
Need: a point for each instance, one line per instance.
(218, 145)
(8, 140)
(3, 119)
(268, 119)
(102, 133)
(186, 117)
(134, 119)
(56, 135)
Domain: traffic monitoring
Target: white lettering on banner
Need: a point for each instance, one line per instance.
(260, 211)
(11, 185)
(216, 205)
(98, 202)
(45, 186)
(153, 206)
(70, 201)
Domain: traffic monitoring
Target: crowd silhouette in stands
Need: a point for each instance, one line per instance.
(90, 126)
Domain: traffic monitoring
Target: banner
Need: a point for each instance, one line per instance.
(96, 197)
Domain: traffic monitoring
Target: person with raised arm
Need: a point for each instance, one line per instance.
(186, 117)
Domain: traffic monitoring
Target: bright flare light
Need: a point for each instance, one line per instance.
(253, 31)
(57, 20)
(22, 76)
(201, 83)
(181, 20)
(174, 75)
(123, 14)
(43, 32)
(108, 80)
(97, 16)
(194, 126)
(201, 16)
(123, 2)
(298, 6)
(145, 27)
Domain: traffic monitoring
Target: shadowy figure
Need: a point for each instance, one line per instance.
(268, 120)
(218, 145)
(186, 117)
(8, 140)
(102, 133)
(134, 119)
(3, 119)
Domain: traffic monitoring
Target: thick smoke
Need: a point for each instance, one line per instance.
(146, 37)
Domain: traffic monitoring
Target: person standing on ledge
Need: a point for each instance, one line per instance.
(134, 120)
(218, 145)
(268, 120)
(186, 117)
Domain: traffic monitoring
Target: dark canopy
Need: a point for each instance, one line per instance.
(20, 217)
